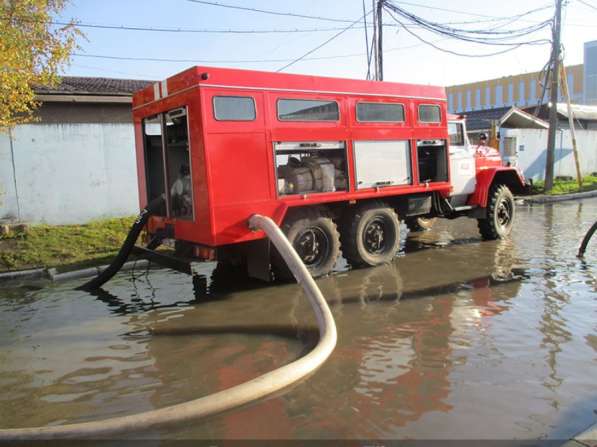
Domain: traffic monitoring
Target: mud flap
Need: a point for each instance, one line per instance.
(258, 260)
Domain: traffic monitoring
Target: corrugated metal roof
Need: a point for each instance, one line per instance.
(78, 85)
(516, 118)
(481, 119)
(580, 111)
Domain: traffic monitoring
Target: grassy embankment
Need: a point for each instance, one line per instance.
(68, 246)
(561, 186)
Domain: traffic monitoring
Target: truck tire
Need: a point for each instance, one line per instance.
(416, 224)
(370, 235)
(500, 214)
(314, 236)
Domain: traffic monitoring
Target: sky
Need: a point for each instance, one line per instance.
(405, 58)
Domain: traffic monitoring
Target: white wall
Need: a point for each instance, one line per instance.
(69, 173)
(8, 200)
(532, 152)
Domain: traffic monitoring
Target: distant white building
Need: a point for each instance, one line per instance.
(523, 137)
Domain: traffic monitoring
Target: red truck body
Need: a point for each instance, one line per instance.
(243, 141)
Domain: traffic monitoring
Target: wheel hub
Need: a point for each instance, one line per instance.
(312, 246)
(374, 236)
(504, 213)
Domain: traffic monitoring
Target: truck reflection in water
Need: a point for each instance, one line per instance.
(394, 355)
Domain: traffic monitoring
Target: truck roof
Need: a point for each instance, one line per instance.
(272, 81)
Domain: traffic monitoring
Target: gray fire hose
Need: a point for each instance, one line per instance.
(258, 388)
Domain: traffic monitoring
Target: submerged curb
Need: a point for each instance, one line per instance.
(587, 438)
(53, 275)
(544, 198)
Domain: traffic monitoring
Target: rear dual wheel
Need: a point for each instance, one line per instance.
(370, 234)
(314, 236)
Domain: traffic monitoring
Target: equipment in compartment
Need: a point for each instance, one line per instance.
(310, 167)
(306, 175)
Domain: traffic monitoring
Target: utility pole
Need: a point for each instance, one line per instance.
(374, 40)
(380, 39)
(553, 110)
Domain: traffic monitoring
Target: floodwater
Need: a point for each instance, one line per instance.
(457, 339)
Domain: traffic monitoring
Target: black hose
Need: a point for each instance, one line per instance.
(585, 241)
(126, 247)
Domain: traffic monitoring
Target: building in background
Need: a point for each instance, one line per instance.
(525, 90)
(590, 73)
(511, 103)
(77, 162)
(521, 90)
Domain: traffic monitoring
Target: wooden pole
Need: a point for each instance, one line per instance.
(566, 93)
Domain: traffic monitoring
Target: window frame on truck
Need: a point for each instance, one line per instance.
(460, 133)
(439, 109)
(215, 112)
(162, 117)
(384, 103)
(283, 120)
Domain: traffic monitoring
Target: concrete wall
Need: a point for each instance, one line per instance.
(70, 172)
(532, 151)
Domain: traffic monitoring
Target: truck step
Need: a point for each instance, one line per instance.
(463, 208)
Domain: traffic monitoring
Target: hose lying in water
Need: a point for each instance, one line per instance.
(586, 239)
(258, 388)
(126, 247)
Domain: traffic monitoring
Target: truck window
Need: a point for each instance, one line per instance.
(456, 134)
(429, 113)
(234, 108)
(380, 112)
(307, 110)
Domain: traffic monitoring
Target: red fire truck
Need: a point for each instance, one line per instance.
(337, 163)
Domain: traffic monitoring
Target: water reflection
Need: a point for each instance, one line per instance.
(458, 338)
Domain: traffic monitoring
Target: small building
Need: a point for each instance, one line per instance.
(523, 137)
(77, 161)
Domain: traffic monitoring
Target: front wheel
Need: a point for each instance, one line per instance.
(498, 222)
(370, 235)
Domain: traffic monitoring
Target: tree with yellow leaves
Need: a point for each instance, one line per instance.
(32, 52)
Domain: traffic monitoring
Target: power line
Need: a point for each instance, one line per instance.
(332, 19)
(493, 37)
(324, 43)
(267, 11)
(588, 4)
(236, 61)
(456, 53)
(455, 11)
(184, 30)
